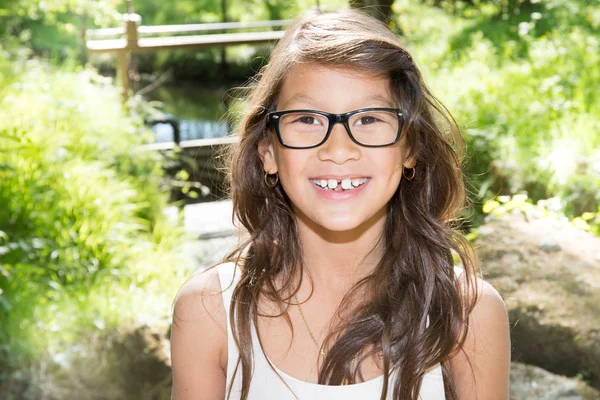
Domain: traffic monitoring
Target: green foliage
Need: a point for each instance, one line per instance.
(83, 234)
(524, 88)
(580, 189)
(470, 8)
(549, 208)
(505, 204)
(589, 221)
(54, 27)
(154, 12)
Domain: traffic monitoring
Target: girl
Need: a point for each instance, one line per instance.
(347, 182)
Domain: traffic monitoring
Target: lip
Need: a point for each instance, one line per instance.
(341, 195)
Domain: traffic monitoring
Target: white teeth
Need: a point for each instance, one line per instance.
(346, 184)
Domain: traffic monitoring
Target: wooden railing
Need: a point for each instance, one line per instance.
(186, 28)
(133, 38)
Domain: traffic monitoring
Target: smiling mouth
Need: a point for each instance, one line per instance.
(339, 185)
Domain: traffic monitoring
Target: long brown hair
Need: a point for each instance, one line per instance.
(414, 280)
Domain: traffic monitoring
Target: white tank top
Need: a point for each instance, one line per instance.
(267, 385)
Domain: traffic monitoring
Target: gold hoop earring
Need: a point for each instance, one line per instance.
(412, 176)
(271, 184)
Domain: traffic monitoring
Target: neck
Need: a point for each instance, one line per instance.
(338, 260)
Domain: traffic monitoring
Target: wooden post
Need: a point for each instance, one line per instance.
(132, 21)
(82, 54)
(123, 73)
(131, 30)
(224, 48)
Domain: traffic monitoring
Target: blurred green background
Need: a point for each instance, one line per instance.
(86, 247)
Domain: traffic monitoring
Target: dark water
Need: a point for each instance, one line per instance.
(200, 110)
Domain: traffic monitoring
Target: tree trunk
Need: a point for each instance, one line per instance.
(381, 9)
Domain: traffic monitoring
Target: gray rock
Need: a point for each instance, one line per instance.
(549, 276)
(528, 382)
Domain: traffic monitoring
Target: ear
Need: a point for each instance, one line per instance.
(410, 161)
(267, 156)
(409, 154)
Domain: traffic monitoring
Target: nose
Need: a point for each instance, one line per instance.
(339, 147)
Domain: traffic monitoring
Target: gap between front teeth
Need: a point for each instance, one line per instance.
(346, 184)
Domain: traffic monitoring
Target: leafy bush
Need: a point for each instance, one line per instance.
(84, 242)
(525, 90)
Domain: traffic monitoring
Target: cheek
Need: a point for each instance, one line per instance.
(390, 161)
(290, 165)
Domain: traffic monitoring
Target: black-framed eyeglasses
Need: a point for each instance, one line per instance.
(305, 129)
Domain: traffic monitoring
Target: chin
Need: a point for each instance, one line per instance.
(341, 224)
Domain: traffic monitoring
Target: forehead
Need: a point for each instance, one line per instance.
(333, 89)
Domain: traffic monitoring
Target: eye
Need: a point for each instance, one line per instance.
(307, 119)
(366, 120)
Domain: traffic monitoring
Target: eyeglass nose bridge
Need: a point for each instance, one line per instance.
(343, 118)
(339, 119)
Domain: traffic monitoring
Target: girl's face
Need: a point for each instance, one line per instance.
(374, 173)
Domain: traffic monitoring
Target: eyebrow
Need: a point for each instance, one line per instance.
(374, 98)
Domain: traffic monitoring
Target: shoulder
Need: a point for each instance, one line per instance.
(481, 367)
(199, 335)
(198, 296)
(481, 291)
(489, 305)
(489, 316)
